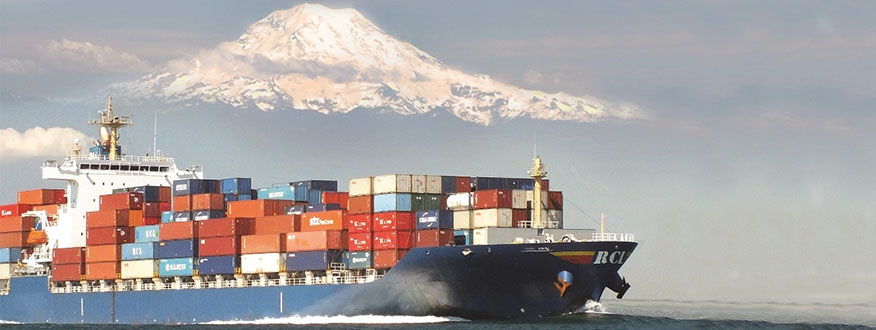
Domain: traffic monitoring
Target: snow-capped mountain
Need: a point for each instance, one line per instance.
(311, 57)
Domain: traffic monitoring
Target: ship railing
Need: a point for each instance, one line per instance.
(187, 284)
(123, 158)
(612, 237)
(548, 224)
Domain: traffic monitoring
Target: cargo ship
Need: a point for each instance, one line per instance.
(137, 240)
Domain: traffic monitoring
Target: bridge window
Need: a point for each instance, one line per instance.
(163, 169)
(94, 166)
(144, 168)
(83, 166)
(125, 168)
(153, 169)
(104, 167)
(135, 168)
(114, 167)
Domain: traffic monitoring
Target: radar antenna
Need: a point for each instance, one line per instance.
(109, 125)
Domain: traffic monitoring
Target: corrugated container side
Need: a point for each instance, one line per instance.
(146, 233)
(360, 204)
(107, 218)
(219, 246)
(392, 240)
(311, 260)
(218, 265)
(518, 199)
(236, 185)
(42, 196)
(154, 209)
(433, 184)
(555, 200)
(463, 184)
(50, 210)
(103, 236)
(12, 210)
(139, 269)
(418, 184)
(359, 223)
(463, 237)
(335, 197)
(314, 197)
(517, 216)
(67, 272)
(262, 263)
(208, 202)
(494, 198)
(10, 255)
(14, 224)
(392, 202)
(491, 218)
(207, 215)
(360, 187)
(360, 242)
(315, 240)
(257, 208)
(388, 258)
(254, 244)
(433, 237)
(102, 271)
(182, 203)
(393, 221)
(322, 207)
(276, 224)
(358, 260)
(327, 220)
(176, 267)
(182, 216)
(448, 184)
(102, 253)
(226, 227)
(462, 219)
(16, 239)
(139, 251)
(284, 192)
(65, 256)
(122, 201)
(183, 248)
(154, 193)
(166, 216)
(391, 183)
(178, 230)
(434, 219)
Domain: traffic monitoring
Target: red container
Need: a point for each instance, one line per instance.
(555, 200)
(359, 223)
(14, 210)
(463, 184)
(182, 203)
(149, 221)
(225, 227)
(178, 230)
(208, 202)
(392, 240)
(42, 196)
(67, 272)
(393, 221)
(109, 235)
(154, 209)
(108, 218)
(545, 185)
(122, 201)
(219, 246)
(250, 244)
(165, 194)
(66, 256)
(276, 224)
(360, 242)
(360, 204)
(491, 199)
(433, 237)
(335, 197)
(316, 241)
(257, 208)
(16, 224)
(16, 239)
(50, 209)
(519, 215)
(102, 271)
(326, 220)
(103, 253)
(388, 258)
(135, 218)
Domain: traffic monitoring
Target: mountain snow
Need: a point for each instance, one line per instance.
(311, 57)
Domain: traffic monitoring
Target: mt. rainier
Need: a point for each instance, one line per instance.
(335, 60)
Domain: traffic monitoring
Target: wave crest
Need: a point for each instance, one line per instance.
(339, 319)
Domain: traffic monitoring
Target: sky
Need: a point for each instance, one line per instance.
(751, 177)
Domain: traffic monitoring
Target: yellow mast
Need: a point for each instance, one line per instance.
(111, 123)
(537, 173)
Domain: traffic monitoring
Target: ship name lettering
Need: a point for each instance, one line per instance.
(614, 258)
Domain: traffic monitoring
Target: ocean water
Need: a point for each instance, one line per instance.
(641, 314)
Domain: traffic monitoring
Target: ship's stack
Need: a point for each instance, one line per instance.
(108, 228)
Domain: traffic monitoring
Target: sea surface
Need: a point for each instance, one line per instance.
(628, 314)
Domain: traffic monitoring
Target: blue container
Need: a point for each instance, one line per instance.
(392, 202)
(10, 255)
(314, 197)
(146, 233)
(217, 265)
(448, 184)
(322, 207)
(236, 197)
(236, 185)
(254, 194)
(181, 248)
(182, 216)
(462, 237)
(277, 192)
(434, 219)
(139, 251)
(207, 214)
(525, 184)
(166, 216)
(358, 260)
(176, 267)
(303, 188)
(195, 186)
(150, 193)
(312, 260)
(295, 209)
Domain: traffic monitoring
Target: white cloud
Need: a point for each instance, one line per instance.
(17, 66)
(85, 56)
(38, 142)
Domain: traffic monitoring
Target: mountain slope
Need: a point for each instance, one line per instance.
(311, 57)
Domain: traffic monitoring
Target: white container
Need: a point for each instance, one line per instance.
(360, 187)
(139, 269)
(433, 184)
(418, 184)
(6, 271)
(544, 198)
(262, 263)
(556, 219)
(391, 183)
(518, 199)
(491, 218)
(461, 219)
(485, 236)
(460, 201)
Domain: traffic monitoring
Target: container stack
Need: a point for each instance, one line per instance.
(219, 242)
(177, 248)
(139, 259)
(156, 200)
(68, 264)
(319, 243)
(107, 229)
(210, 201)
(360, 225)
(15, 228)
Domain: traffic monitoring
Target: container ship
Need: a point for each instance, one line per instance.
(138, 240)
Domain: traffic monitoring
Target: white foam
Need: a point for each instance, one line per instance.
(593, 307)
(8, 322)
(359, 319)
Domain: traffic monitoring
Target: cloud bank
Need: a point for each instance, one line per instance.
(75, 56)
(37, 142)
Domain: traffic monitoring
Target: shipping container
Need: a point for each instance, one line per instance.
(176, 267)
(140, 251)
(359, 223)
(234, 198)
(67, 272)
(316, 240)
(462, 219)
(207, 215)
(262, 263)
(518, 216)
(462, 237)
(181, 248)
(460, 201)
(253, 244)
(418, 184)
(16, 239)
(104, 236)
(314, 197)
(491, 199)
(51, 209)
(328, 220)
(154, 194)
(226, 227)
(391, 183)
(108, 218)
(14, 210)
(277, 192)
(433, 184)
(235, 185)
(518, 199)
(358, 260)
(520, 183)
(103, 253)
(392, 240)
(42, 196)
(433, 237)
(544, 199)
(65, 256)
(6, 271)
(178, 230)
(257, 208)
(182, 203)
(360, 204)
(194, 186)
(166, 216)
(491, 218)
(14, 224)
(276, 224)
(146, 233)
(10, 255)
(434, 219)
(132, 269)
(151, 221)
(102, 271)
(208, 202)
(388, 258)
(463, 184)
(312, 260)
(555, 200)
(392, 202)
(393, 221)
(322, 207)
(303, 188)
(360, 242)
(122, 201)
(425, 202)
(184, 216)
(219, 246)
(297, 209)
(154, 209)
(448, 184)
(218, 265)
(483, 236)
(360, 187)
(335, 197)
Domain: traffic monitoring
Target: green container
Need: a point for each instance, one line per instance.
(433, 202)
(418, 202)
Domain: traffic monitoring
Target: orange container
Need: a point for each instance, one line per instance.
(316, 241)
(277, 224)
(335, 197)
(262, 243)
(16, 224)
(122, 201)
(102, 270)
(67, 272)
(360, 204)
(178, 230)
(135, 218)
(16, 239)
(326, 220)
(14, 210)
(65, 256)
(42, 196)
(208, 202)
(103, 253)
(51, 209)
(182, 203)
(388, 258)
(109, 218)
(109, 235)
(257, 208)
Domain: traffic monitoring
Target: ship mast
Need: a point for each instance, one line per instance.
(109, 128)
(537, 173)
